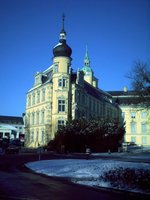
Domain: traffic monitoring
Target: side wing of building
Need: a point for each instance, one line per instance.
(136, 117)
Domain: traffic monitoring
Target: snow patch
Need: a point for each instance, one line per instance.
(86, 172)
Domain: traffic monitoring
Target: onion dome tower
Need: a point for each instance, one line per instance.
(62, 49)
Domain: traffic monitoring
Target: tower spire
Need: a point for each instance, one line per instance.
(86, 58)
(63, 21)
(62, 37)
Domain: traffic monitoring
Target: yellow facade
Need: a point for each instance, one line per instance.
(136, 117)
(137, 121)
(60, 90)
(38, 114)
(59, 95)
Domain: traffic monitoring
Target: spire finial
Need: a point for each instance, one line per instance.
(86, 52)
(62, 37)
(63, 20)
(86, 59)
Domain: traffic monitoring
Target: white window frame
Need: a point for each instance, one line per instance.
(29, 100)
(43, 95)
(133, 114)
(143, 127)
(61, 122)
(33, 99)
(37, 117)
(143, 114)
(55, 68)
(62, 82)
(33, 118)
(61, 105)
(144, 140)
(133, 127)
(42, 116)
(38, 97)
(133, 139)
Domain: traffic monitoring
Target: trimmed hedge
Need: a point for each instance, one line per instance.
(128, 178)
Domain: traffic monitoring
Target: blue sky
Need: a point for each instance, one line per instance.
(117, 32)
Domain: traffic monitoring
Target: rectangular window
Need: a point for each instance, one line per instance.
(32, 136)
(42, 117)
(29, 100)
(28, 119)
(144, 128)
(143, 115)
(62, 82)
(42, 137)
(33, 99)
(133, 139)
(133, 127)
(55, 68)
(133, 114)
(37, 118)
(38, 97)
(37, 136)
(61, 105)
(61, 123)
(43, 95)
(144, 140)
(32, 119)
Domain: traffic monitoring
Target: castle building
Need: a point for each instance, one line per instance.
(136, 117)
(59, 95)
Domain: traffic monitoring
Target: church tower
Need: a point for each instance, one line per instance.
(61, 99)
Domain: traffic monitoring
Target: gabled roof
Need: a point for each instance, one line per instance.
(11, 120)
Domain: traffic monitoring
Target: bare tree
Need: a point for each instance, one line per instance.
(140, 81)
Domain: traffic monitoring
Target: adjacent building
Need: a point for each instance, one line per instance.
(136, 116)
(59, 95)
(12, 127)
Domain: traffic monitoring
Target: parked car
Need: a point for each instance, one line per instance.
(11, 149)
(130, 146)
